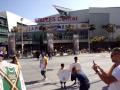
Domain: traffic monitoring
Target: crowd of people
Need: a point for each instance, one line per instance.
(111, 78)
(76, 73)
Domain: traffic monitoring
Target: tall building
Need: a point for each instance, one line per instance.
(73, 29)
(3, 30)
(8, 23)
(67, 30)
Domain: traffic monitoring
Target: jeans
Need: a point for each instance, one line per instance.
(43, 73)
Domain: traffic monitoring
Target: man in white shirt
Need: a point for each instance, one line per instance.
(77, 66)
(112, 78)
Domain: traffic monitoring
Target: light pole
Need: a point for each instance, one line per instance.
(91, 27)
(88, 40)
(22, 44)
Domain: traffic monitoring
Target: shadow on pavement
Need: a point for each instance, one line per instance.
(32, 82)
(49, 83)
(50, 69)
(105, 88)
(68, 88)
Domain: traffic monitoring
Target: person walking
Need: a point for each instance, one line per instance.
(112, 78)
(37, 55)
(43, 66)
(77, 66)
(15, 61)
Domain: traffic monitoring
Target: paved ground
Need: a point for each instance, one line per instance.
(33, 79)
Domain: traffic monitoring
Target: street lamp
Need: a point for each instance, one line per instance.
(89, 40)
(91, 27)
(22, 44)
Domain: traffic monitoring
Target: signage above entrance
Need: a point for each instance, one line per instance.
(54, 19)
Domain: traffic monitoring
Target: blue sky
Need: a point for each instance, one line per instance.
(32, 9)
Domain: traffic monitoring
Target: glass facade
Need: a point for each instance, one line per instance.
(3, 30)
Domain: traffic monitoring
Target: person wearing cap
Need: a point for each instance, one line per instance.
(77, 66)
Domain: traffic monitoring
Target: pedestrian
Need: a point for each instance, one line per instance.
(37, 55)
(82, 78)
(112, 78)
(62, 79)
(43, 66)
(50, 55)
(2, 57)
(15, 61)
(76, 65)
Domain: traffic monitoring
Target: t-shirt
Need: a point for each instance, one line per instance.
(76, 65)
(43, 63)
(82, 78)
(63, 75)
(116, 74)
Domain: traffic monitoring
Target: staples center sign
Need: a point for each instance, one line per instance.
(54, 19)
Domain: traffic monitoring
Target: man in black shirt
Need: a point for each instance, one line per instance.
(83, 79)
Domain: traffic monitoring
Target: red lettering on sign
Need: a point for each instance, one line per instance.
(60, 18)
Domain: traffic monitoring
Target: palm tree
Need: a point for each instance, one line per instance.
(15, 29)
(110, 28)
(68, 27)
(92, 27)
(98, 39)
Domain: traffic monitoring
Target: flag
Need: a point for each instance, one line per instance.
(11, 77)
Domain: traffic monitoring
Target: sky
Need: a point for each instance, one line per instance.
(32, 9)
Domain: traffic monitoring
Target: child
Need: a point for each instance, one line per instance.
(62, 76)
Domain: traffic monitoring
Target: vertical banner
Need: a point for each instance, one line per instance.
(50, 42)
(11, 77)
(76, 43)
(11, 44)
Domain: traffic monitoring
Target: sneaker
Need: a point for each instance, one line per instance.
(65, 87)
(62, 87)
(44, 79)
(74, 84)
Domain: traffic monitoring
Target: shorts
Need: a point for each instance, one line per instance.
(43, 72)
(84, 87)
(73, 77)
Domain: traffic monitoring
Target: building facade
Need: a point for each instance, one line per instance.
(8, 22)
(69, 24)
(66, 31)
(3, 30)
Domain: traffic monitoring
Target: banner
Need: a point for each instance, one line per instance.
(76, 43)
(11, 77)
(50, 42)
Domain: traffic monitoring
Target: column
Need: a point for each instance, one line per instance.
(76, 43)
(50, 46)
(11, 44)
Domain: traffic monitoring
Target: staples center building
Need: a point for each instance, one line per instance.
(70, 29)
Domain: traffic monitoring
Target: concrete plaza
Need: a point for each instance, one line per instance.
(33, 78)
